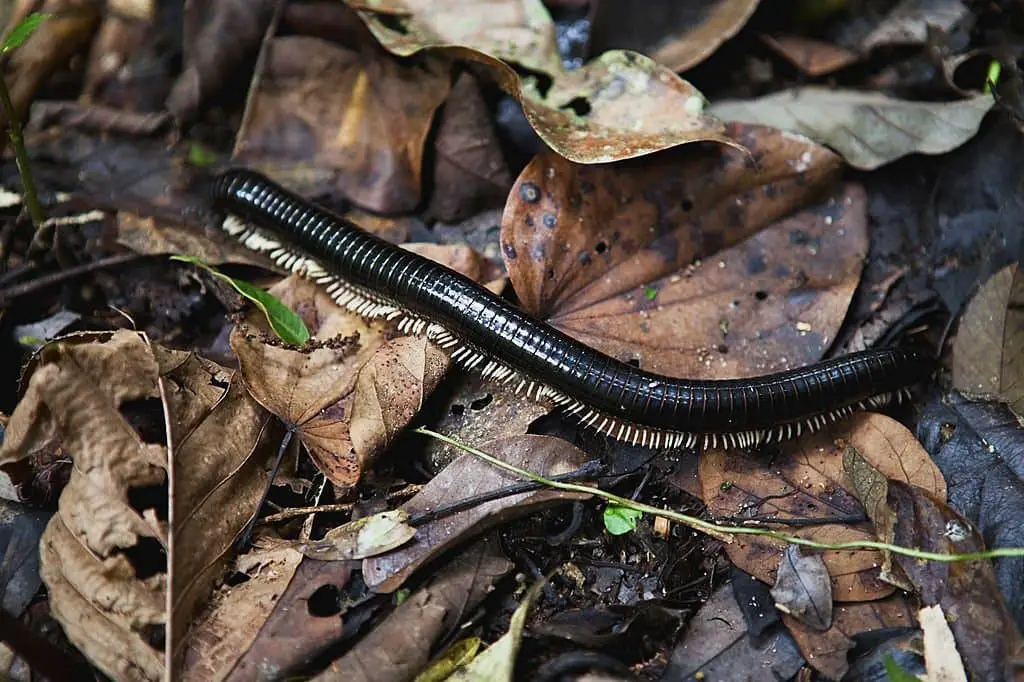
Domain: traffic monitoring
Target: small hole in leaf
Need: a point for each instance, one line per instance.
(579, 105)
(686, 205)
(152, 497)
(147, 557)
(236, 578)
(325, 602)
(760, 294)
(481, 403)
(393, 22)
(601, 247)
(458, 410)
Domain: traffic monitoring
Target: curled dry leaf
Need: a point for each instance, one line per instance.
(988, 353)
(808, 481)
(102, 555)
(618, 106)
(399, 647)
(607, 254)
(827, 651)
(349, 398)
(869, 129)
(315, 108)
(361, 538)
(679, 35)
(464, 478)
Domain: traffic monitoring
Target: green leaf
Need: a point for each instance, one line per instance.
(200, 156)
(283, 320)
(619, 520)
(23, 30)
(895, 673)
(650, 293)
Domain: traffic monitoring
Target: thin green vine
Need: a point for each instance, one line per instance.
(723, 532)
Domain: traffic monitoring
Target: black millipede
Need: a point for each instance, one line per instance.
(486, 332)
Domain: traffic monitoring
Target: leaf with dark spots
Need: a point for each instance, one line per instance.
(635, 233)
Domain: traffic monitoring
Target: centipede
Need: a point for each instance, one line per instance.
(488, 333)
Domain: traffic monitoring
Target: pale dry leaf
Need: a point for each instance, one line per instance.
(988, 352)
(941, 659)
(803, 590)
(868, 129)
(361, 538)
(910, 21)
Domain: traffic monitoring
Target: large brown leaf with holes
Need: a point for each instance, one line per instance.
(807, 480)
(668, 262)
(351, 123)
(619, 105)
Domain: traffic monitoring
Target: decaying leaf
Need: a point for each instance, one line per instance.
(224, 632)
(986, 635)
(988, 354)
(813, 57)
(464, 478)
(365, 537)
(104, 556)
(399, 647)
(910, 22)
(655, 262)
(807, 480)
(498, 662)
(359, 118)
(718, 644)
(869, 129)
(803, 589)
(827, 651)
(619, 106)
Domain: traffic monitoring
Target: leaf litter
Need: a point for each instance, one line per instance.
(397, 135)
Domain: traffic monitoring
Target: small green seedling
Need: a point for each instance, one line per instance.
(619, 520)
(283, 320)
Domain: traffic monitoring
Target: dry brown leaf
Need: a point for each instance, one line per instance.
(73, 394)
(618, 106)
(869, 129)
(226, 630)
(399, 647)
(605, 254)
(470, 173)
(103, 554)
(813, 57)
(151, 236)
(988, 353)
(299, 628)
(349, 399)
(826, 651)
(940, 655)
(341, 122)
(464, 478)
(808, 481)
(679, 35)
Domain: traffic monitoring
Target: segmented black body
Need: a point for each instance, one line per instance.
(578, 374)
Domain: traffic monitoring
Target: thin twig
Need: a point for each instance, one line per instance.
(18, 290)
